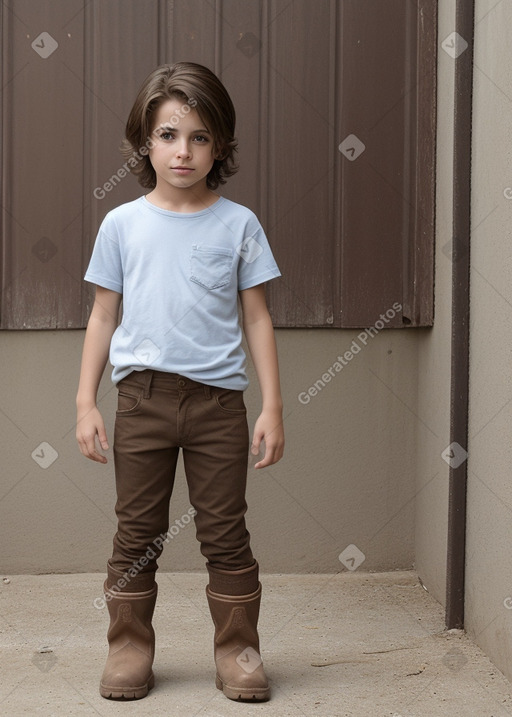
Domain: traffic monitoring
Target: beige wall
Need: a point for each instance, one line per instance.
(489, 541)
(348, 476)
(434, 349)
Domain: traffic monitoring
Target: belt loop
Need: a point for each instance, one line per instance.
(207, 391)
(148, 377)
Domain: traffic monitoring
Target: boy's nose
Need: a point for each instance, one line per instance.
(183, 150)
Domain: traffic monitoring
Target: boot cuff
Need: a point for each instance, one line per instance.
(130, 583)
(234, 582)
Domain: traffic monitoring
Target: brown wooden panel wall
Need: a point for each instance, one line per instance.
(351, 237)
(70, 70)
(41, 194)
(387, 194)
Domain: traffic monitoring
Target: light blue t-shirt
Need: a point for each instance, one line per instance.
(180, 275)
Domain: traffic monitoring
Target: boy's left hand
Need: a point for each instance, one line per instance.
(268, 428)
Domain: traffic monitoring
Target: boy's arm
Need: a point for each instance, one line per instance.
(102, 324)
(259, 333)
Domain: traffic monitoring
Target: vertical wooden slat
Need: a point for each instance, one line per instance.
(373, 204)
(301, 163)
(164, 31)
(218, 35)
(89, 217)
(421, 284)
(388, 200)
(242, 38)
(410, 71)
(192, 32)
(6, 68)
(335, 110)
(264, 131)
(118, 56)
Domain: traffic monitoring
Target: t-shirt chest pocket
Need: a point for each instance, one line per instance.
(210, 266)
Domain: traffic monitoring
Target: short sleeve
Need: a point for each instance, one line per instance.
(257, 263)
(105, 267)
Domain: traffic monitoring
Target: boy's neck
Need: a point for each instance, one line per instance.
(185, 201)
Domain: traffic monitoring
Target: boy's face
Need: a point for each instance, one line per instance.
(183, 150)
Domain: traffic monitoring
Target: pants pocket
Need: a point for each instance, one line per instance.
(230, 401)
(128, 398)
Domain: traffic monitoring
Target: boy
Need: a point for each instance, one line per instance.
(180, 258)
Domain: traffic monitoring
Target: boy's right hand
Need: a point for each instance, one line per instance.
(90, 424)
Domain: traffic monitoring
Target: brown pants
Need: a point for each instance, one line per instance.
(157, 414)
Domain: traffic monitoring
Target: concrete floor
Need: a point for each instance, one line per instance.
(351, 644)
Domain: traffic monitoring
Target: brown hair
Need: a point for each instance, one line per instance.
(202, 90)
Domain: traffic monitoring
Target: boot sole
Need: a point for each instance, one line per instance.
(258, 694)
(127, 693)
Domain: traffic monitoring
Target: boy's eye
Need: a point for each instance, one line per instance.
(168, 135)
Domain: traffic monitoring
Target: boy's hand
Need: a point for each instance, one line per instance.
(89, 425)
(268, 428)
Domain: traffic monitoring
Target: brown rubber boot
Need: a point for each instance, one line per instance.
(240, 673)
(128, 673)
